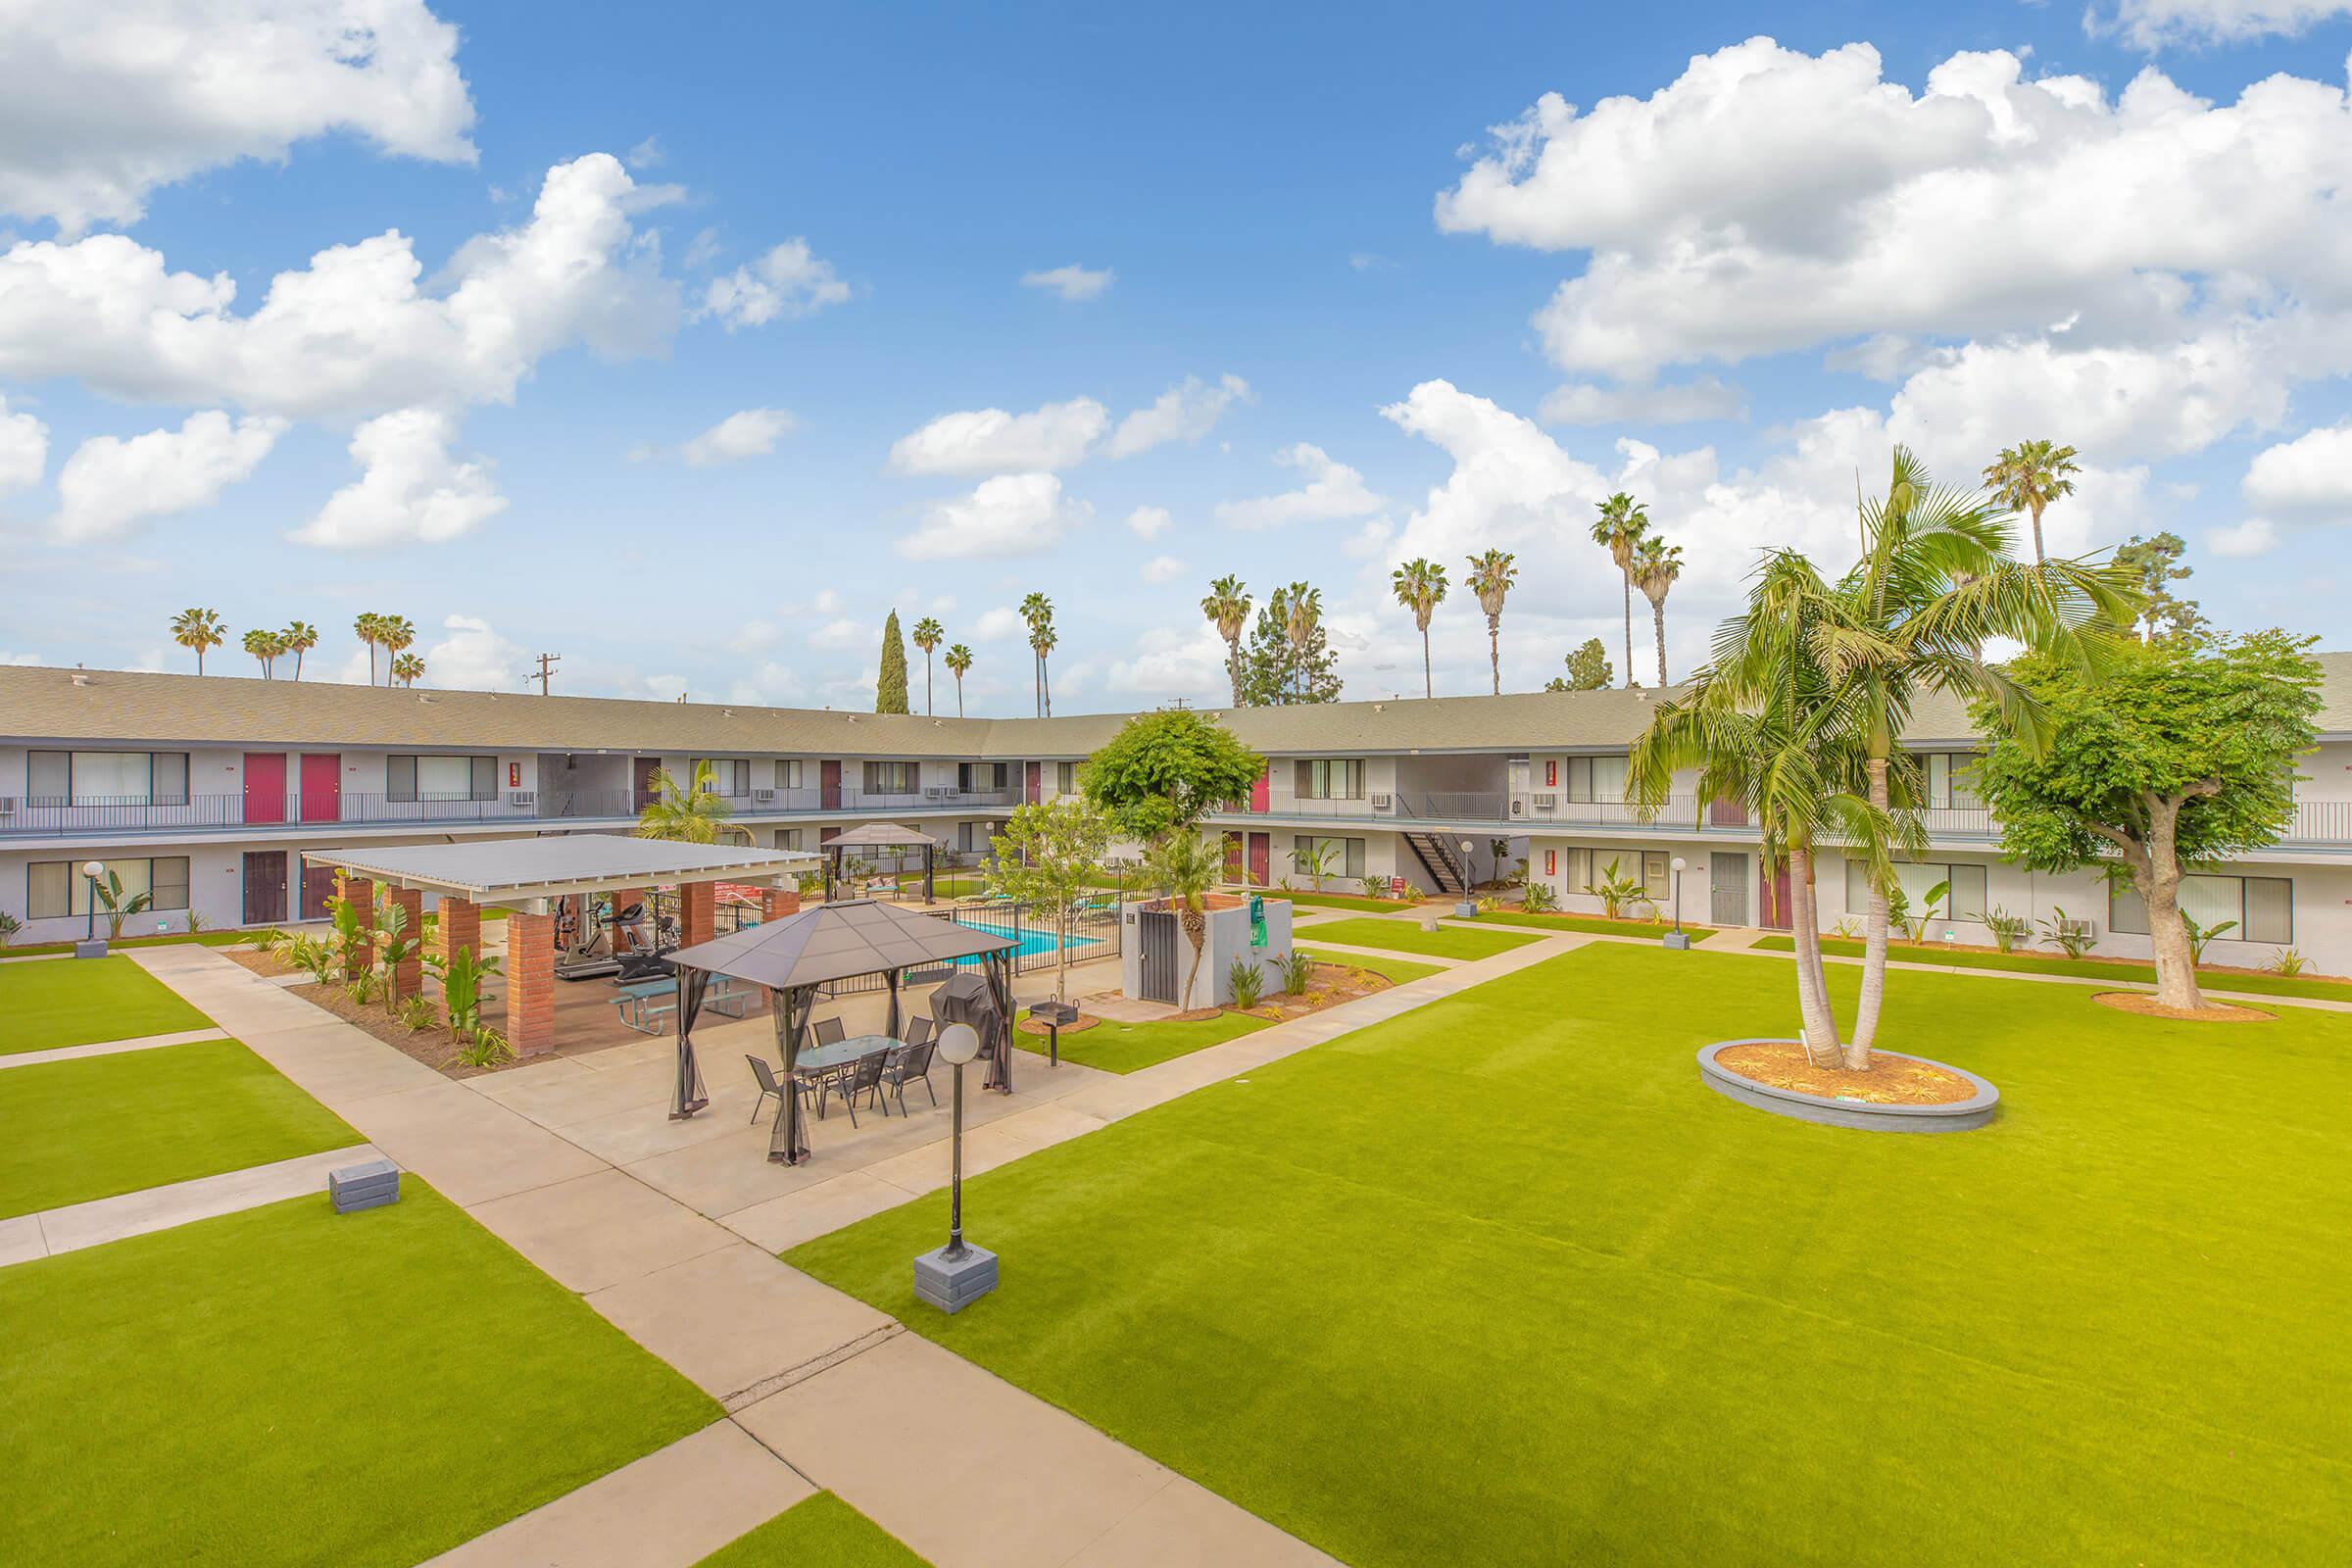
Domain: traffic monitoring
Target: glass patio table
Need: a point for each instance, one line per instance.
(815, 1064)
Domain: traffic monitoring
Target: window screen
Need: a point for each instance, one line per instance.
(2269, 909)
(2211, 900)
(49, 778)
(400, 778)
(889, 778)
(445, 778)
(114, 778)
(134, 875)
(1608, 778)
(788, 772)
(1657, 875)
(169, 876)
(171, 778)
(1577, 864)
(485, 778)
(47, 894)
(1968, 897)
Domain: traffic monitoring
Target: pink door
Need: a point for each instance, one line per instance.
(1036, 782)
(1259, 789)
(265, 787)
(1233, 856)
(1775, 912)
(321, 787)
(1261, 860)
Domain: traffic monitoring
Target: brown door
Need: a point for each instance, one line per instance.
(642, 782)
(266, 789)
(1036, 783)
(829, 785)
(317, 886)
(1773, 910)
(1261, 860)
(264, 881)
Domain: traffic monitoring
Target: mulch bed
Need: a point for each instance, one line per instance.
(432, 1047)
(1033, 1026)
(1892, 1079)
(2147, 1006)
(1329, 985)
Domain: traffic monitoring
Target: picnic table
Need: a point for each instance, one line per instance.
(644, 1003)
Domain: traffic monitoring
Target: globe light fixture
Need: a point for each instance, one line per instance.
(89, 946)
(1678, 938)
(952, 1277)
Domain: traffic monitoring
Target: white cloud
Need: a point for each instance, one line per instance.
(474, 656)
(1182, 661)
(1148, 523)
(1162, 569)
(1511, 484)
(1071, 283)
(2307, 478)
(1583, 402)
(646, 154)
(102, 104)
(1331, 490)
(844, 633)
(998, 624)
(352, 333)
(703, 249)
(410, 490)
(2253, 537)
(109, 484)
(8, 658)
(746, 433)
(769, 685)
(2153, 25)
(23, 450)
(993, 441)
(1013, 513)
(1186, 412)
(789, 280)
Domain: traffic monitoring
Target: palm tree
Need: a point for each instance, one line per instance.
(1420, 587)
(928, 634)
(1227, 607)
(1044, 642)
(405, 668)
(1491, 577)
(2028, 478)
(1655, 565)
(369, 627)
(264, 646)
(1185, 866)
(1620, 527)
(300, 637)
(1038, 612)
(695, 814)
(197, 629)
(959, 664)
(396, 633)
(1303, 612)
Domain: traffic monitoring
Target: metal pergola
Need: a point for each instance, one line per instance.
(878, 836)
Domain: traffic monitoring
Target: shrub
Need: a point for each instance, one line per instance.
(1297, 969)
(2008, 930)
(483, 1048)
(2199, 935)
(1615, 890)
(416, 1013)
(10, 925)
(363, 988)
(1541, 899)
(1248, 984)
(2289, 963)
(2071, 937)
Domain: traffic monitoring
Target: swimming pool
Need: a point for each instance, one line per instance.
(1027, 943)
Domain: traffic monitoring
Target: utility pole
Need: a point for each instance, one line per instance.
(547, 665)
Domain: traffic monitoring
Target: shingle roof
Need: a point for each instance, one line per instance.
(67, 705)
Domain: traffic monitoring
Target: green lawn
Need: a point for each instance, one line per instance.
(1342, 900)
(2271, 985)
(1597, 924)
(1509, 1285)
(1395, 970)
(96, 1126)
(819, 1532)
(79, 1002)
(290, 1385)
(1407, 935)
(1122, 1048)
(207, 939)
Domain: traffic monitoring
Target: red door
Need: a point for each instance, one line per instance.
(642, 781)
(1036, 784)
(1727, 814)
(1261, 859)
(265, 786)
(321, 787)
(1773, 910)
(1233, 856)
(829, 782)
(1259, 789)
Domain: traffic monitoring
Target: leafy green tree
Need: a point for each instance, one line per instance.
(1227, 607)
(2028, 477)
(1280, 670)
(696, 813)
(1619, 529)
(928, 634)
(890, 683)
(2170, 756)
(1588, 669)
(406, 669)
(959, 664)
(1491, 573)
(265, 646)
(2154, 566)
(1420, 587)
(1046, 855)
(1163, 772)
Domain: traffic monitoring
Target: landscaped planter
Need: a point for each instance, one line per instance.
(1956, 1117)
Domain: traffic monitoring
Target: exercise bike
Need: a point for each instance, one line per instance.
(588, 941)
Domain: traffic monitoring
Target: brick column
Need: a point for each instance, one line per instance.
(622, 899)
(777, 902)
(530, 983)
(698, 913)
(361, 891)
(461, 932)
(408, 979)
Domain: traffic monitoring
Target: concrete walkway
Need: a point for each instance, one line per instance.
(159, 1208)
(582, 1173)
(109, 1048)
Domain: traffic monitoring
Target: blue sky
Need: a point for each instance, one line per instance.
(1301, 247)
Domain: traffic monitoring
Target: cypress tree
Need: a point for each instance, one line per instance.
(890, 687)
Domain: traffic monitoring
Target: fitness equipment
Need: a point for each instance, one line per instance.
(590, 937)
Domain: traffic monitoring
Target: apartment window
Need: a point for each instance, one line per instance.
(1578, 873)
(788, 772)
(1950, 779)
(730, 776)
(983, 775)
(1341, 857)
(1964, 895)
(890, 778)
(1596, 779)
(1657, 875)
(57, 888)
(420, 776)
(1332, 778)
(110, 778)
(1066, 778)
(2263, 906)
(788, 838)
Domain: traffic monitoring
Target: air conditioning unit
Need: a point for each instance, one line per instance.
(523, 800)
(1384, 802)
(1545, 803)
(7, 805)
(763, 797)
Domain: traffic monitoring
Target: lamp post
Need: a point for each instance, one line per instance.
(1467, 905)
(89, 946)
(1678, 938)
(952, 1277)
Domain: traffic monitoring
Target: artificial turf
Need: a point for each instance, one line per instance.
(94, 1126)
(1596, 925)
(817, 1531)
(1397, 972)
(230, 938)
(1404, 936)
(1511, 1286)
(1344, 900)
(287, 1385)
(2121, 969)
(1123, 1048)
(79, 1002)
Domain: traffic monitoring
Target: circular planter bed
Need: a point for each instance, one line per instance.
(2144, 1004)
(1907, 1094)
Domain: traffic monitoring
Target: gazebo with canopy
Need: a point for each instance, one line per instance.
(797, 956)
(878, 836)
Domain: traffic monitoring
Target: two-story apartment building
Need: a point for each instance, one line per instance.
(204, 791)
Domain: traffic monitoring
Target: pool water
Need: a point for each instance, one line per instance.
(1026, 941)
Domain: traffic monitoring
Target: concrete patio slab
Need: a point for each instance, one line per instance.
(471, 1149)
(158, 1208)
(669, 1510)
(565, 1093)
(786, 1221)
(21, 1239)
(1185, 1524)
(109, 1048)
(600, 1228)
(735, 1318)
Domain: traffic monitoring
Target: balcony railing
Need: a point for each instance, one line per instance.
(38, 818)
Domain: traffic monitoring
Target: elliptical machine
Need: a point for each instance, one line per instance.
(592, 939)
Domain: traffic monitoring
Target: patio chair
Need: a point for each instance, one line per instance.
(910, 1063)
(863, 1077)
(829, 1032)
(918, 1031)
(768, 1086)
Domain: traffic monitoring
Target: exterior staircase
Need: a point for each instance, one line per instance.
(1439, 860)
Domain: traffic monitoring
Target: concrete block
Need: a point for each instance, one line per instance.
(952, 1283)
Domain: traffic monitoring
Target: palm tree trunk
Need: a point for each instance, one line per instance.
(1657, 615)
(1045, 674)
(2036, 511)
(1232, 666)
(1196, 931)
(1812, 997)
(1874, 947)
(927, 714)
(960, 696)
(1495, 650)
(1429, 687)
(1629, 629)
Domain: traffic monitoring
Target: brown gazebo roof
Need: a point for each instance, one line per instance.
(878, 835)
(836, 941)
